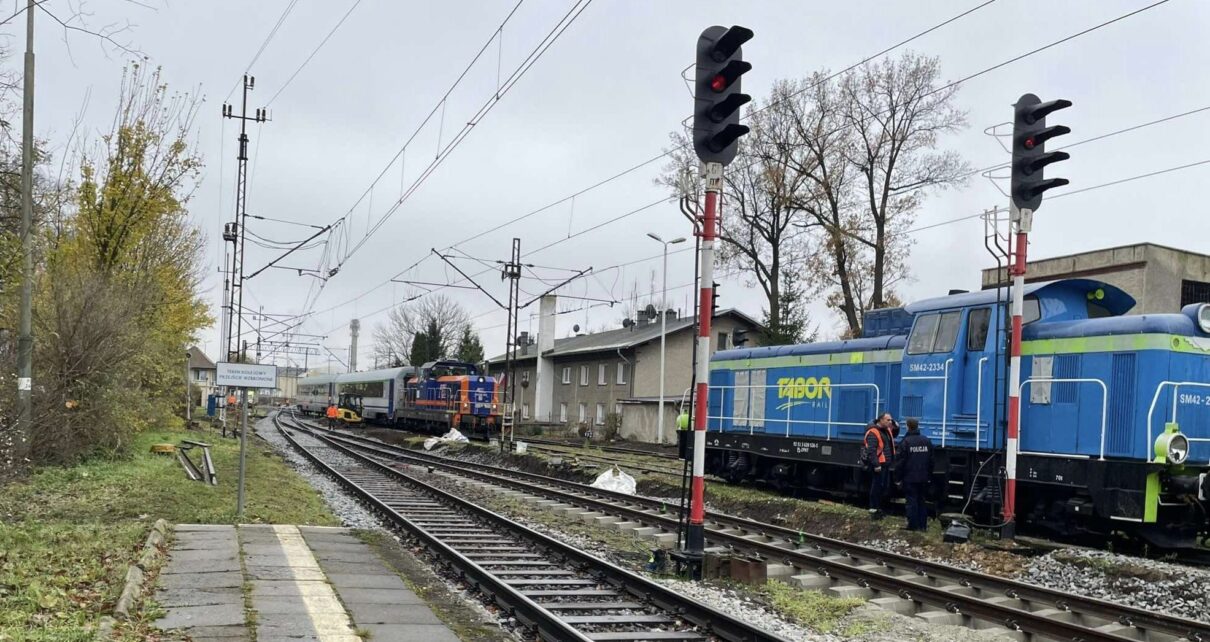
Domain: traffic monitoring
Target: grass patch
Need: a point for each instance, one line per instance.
(812, 609)
(67, 535)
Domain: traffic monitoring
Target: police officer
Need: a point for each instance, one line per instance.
(915, 469)
(878, 456)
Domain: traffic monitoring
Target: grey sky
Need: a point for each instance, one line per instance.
(604, 98)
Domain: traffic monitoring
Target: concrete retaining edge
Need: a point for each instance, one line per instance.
(153, 551)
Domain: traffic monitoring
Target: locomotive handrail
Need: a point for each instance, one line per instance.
(945, 396)
(1104, 402)
(979, 401)
(1176, 389)
(787, 421)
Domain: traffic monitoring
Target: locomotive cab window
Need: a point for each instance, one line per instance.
(1032, 310)
(977, 323)
(937, 332)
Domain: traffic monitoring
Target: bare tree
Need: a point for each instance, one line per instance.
(867, 143)
(394, 340)
(757, 231)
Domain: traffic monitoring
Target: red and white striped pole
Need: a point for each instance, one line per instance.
(695, 542)
(1021, 220)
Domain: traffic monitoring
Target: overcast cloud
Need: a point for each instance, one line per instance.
(602, 99)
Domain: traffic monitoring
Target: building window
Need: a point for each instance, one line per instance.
(600, 414)
(525, 411)
(621, 380)
(583, 375)
(563, 412)
(583, 412)
(722, 341)
(1194, 292)
(567, 376)
(602, 379)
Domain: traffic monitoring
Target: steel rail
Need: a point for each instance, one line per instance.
(711, 620)
(607, 448)
(1010, 616)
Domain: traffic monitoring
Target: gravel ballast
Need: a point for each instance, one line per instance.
(1152, 585)
(344, 506)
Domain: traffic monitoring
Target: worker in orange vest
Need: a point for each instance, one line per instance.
(333, 413)
(878, 455)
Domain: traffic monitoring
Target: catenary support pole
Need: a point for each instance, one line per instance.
(243, 447)
(25, 342)
(696, 536)
(1021, 222)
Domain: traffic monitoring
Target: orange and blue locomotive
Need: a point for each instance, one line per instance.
(432, 398)
(441, 395)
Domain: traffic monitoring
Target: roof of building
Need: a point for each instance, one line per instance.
(199, 360)
(1101, 250)
(621, 338)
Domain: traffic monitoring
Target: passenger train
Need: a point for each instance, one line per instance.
(1115, 409)
(433, 398)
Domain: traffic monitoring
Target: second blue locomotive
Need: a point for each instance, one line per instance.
(1115, 428)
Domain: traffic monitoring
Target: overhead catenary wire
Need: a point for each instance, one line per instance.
(264, 44)
(315, 51)
(543, 46)
(912, 230)
(964, 79)
(510, 82)
(847, 69)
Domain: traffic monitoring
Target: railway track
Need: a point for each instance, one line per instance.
(673, 468)
(561, 593)
(664, 453)
(933, 591)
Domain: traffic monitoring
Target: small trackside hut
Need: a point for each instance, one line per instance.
(1115, 410)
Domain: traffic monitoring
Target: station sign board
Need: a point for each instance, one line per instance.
(246, 375)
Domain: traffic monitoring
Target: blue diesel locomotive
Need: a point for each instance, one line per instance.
(1115, 427)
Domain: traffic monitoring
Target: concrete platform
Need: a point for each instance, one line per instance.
(274, 583)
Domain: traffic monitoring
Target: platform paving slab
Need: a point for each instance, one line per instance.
(303, 583)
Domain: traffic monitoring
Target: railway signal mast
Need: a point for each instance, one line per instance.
(717, 100)
(1028, 183)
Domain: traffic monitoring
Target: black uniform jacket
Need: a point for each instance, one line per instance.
(915, 458)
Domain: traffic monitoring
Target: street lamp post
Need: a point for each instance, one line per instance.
(659, 434)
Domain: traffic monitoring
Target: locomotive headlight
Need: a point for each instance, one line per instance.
(1203, 317)
(1172, 447)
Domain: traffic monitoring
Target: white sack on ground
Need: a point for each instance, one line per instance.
(616, 480)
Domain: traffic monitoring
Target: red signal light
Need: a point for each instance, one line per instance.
(1029, 143)
(718, 83)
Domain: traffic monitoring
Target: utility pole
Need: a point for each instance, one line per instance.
(235, 232)
(260, 317)
(25, 343)
(512, 272)
(659, 434)
(354, 329)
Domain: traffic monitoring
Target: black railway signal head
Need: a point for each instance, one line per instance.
(716, 96)
(1030, 134)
